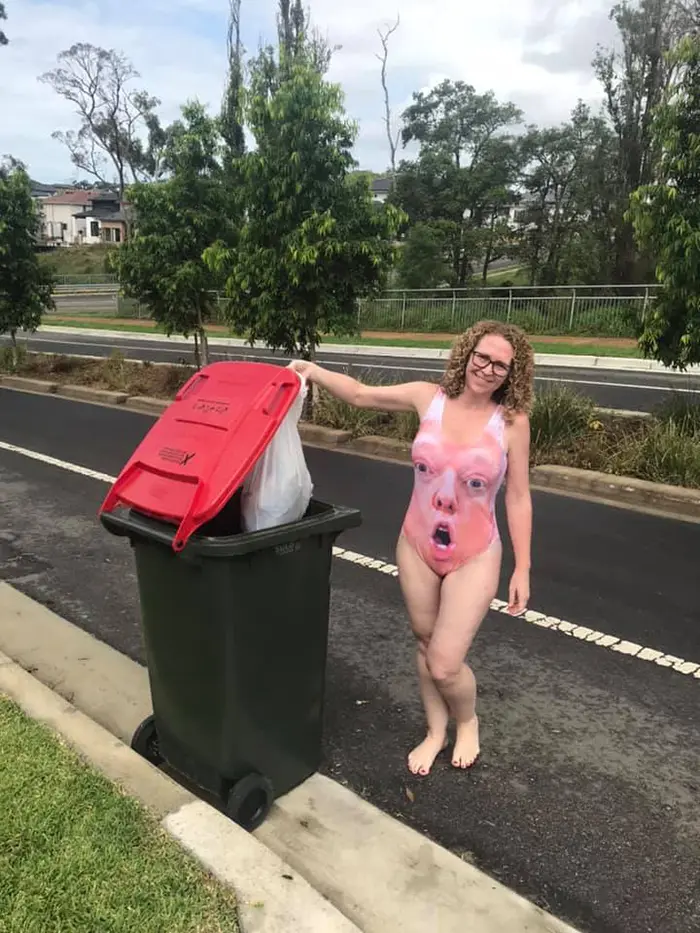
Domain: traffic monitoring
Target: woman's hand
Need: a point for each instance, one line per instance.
(304, 368)
(519, 592)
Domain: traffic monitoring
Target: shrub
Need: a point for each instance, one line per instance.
(663, 453)
(683, 412)
(560, 418)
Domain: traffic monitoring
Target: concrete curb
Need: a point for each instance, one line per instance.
(379, 874)
(271, 896)
(675, 501)
(563, 360)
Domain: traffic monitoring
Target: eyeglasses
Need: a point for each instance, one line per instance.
(482, 361)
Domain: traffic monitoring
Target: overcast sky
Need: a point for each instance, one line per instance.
(536, 53)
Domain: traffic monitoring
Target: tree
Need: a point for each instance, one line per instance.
(113, 116)
(25, 285)
(299, 41)
(466, 170)
(314, 242)
(569, 199)
(3, 15)
(634, 81)
(422, 261)
(176, 220)
(666, 215)
(392, 137)
(231, 114)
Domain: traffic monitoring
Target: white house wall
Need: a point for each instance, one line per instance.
(55, 217)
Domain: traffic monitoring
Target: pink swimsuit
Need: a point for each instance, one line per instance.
(451, 517)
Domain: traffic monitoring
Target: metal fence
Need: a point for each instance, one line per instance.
(597, 311)
(79, 281)
(592, 311)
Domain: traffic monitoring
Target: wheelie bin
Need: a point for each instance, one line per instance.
(235, 624)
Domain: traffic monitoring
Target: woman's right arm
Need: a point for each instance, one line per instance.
(407, 396)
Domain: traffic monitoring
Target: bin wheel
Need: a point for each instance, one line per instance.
(249, 801)
(145, 742)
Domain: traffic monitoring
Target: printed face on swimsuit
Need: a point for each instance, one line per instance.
(454, 496)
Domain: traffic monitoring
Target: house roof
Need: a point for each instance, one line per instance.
(381, 185)
(82, 198)
(40, 188)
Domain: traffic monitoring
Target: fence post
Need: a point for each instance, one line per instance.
(646, 304)
(573, 309)
(403, 313)
(454, 308)
(510, 305)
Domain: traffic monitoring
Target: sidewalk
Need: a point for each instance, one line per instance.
(556, 360)
(325, 861)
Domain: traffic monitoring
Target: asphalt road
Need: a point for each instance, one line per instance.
(610, 389)
(586, 799)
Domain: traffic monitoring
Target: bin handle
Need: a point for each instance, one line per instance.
(272, 399)
(114, 495)
(188, 525)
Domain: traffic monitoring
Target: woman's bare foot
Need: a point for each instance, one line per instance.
(422, 758)
(467, 745)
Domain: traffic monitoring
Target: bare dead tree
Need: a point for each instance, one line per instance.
(392, 137)
(112, 115)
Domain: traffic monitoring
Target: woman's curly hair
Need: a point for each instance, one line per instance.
(516, 392)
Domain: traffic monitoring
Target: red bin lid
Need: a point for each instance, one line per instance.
(205, 443)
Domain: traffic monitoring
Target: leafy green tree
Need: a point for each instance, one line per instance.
(161, 263)
(3, 15)
(314, 243)
(567, 211)
(25, 285)
(666, 215)
(422, 261)
(232, 128)
(466, 171)
(634, 77)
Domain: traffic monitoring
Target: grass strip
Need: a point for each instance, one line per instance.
(78, 856)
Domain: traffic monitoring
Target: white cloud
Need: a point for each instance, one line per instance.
(518, 49)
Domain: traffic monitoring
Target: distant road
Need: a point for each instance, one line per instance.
(609, 388)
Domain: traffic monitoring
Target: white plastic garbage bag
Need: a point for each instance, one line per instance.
(278, 489)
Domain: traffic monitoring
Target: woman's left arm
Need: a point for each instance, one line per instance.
(519, 512)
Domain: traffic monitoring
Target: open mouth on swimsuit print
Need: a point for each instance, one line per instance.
(442, 538)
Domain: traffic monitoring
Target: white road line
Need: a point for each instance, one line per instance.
(617, 385)
(61, 464)
(551, 623)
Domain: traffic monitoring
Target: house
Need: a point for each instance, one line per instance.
(82, 217)
(40, 191)
(381, 189)
(103, 220)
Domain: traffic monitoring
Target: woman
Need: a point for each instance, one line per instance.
(474, 434)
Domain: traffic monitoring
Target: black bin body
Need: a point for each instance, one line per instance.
(236, 632)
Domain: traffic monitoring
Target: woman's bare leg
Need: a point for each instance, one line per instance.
(464, 601)
(421, 591)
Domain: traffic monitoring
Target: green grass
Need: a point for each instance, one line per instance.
(77, 856)
(78, 260)
(593, 349)
(515, 274)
